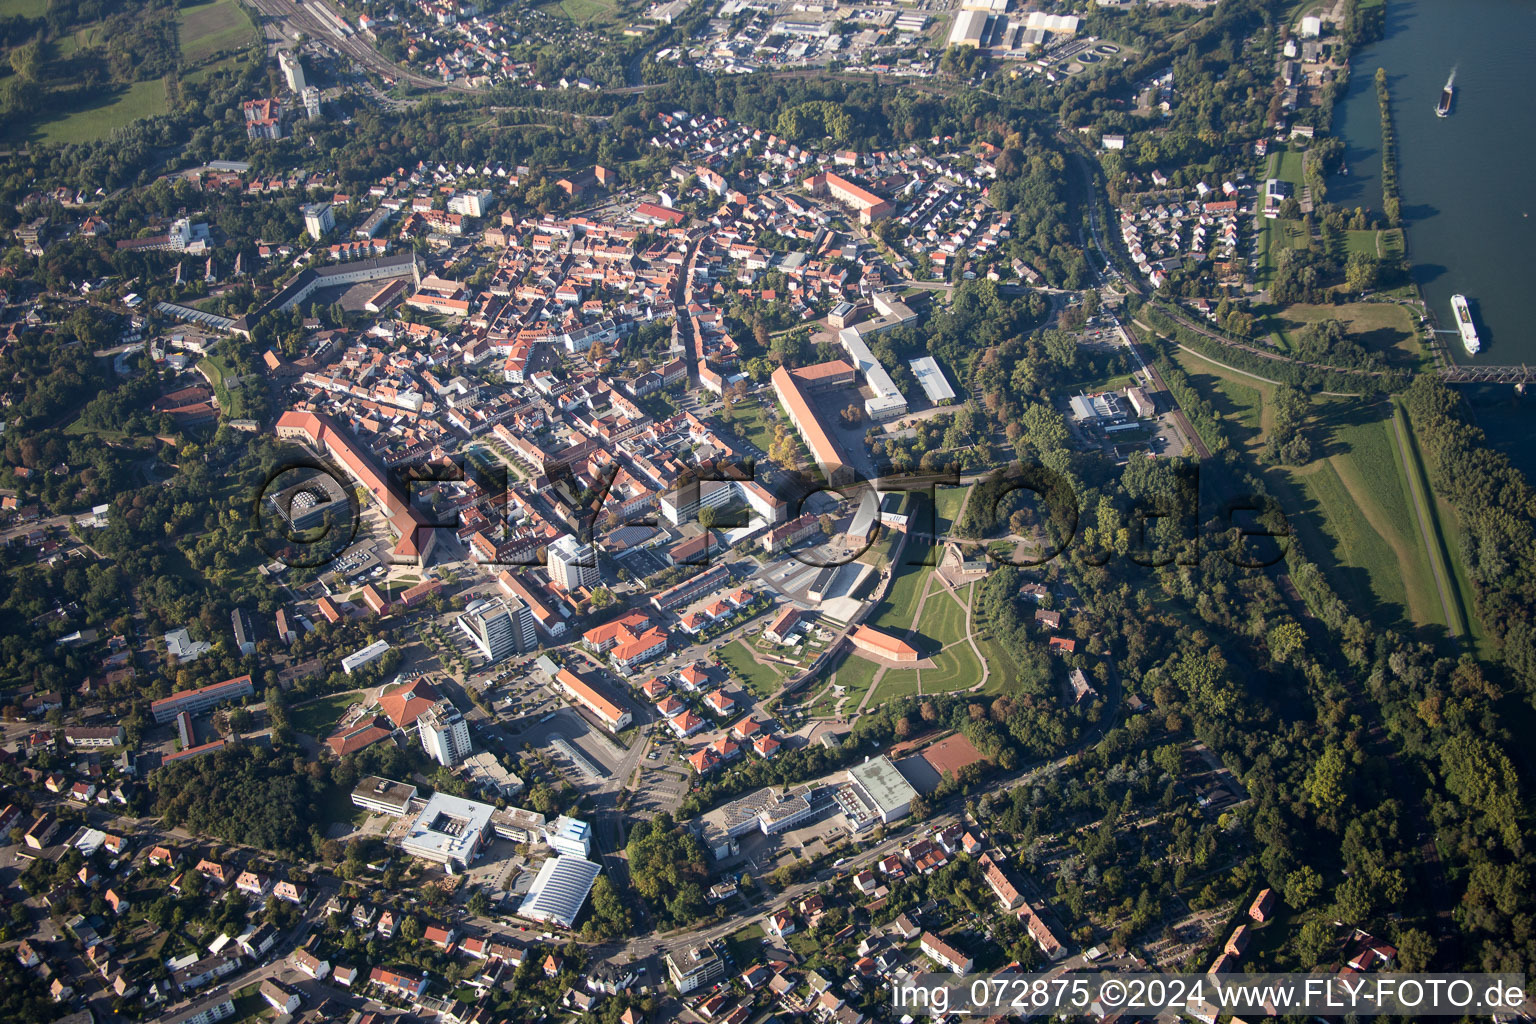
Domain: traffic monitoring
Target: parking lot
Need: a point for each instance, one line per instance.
(661, 789)
(643, 562)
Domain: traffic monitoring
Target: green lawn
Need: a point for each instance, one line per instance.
(750, 423)
(1350, 506)
(943, 619)
(1239, 399)
(23, 8)
(895, 685)
(321, 716)
(1357, 520)
(947, 502)
(1274, 235)
(585, 11)
(214, 26)
(760, 679)
(856, 674)
(746, 944)
(954, 669)
(1445, 540)
(1383, 327)
(80, 117)
(824, 705)
(898, 608)
(78, 428)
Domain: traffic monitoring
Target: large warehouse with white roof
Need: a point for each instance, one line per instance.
(559, 890)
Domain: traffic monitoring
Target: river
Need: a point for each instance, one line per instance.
(1466, 180)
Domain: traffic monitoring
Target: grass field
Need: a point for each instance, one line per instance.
(212, 27)
(956, 668)
(23, 8)
(79, 429)
(1383, 327)
(588, 11)
(318, 718)
(750, 423)
(1240, 400)
(895, 685)
(943, 620)
(1351, 505)
(77, 117)
(1274, 235)
(947, 502)
(760, 679)
(1444, 541)
(856, 674)
(900, 604)
(746, 944)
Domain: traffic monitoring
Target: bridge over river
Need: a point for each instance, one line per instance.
(1487, 374)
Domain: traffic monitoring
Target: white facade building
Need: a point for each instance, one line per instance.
(572, 565)
(445, 734)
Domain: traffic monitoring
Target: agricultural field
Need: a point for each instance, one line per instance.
(212, 27)
(23, 8)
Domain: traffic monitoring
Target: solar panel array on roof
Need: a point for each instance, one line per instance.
(559, 890)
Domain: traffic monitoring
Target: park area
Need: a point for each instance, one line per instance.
(1355, 507)
(319, 716)
(762, 680)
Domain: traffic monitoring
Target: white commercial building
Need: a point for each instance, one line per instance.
(293, 71)
(570, 836)
(357, 659)
(572, 565)
(559, 890)
(931, 376)
(499, 626)
(448, 831)
(969, 28)
(444, 734)
(876, 792)
(384, 796)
